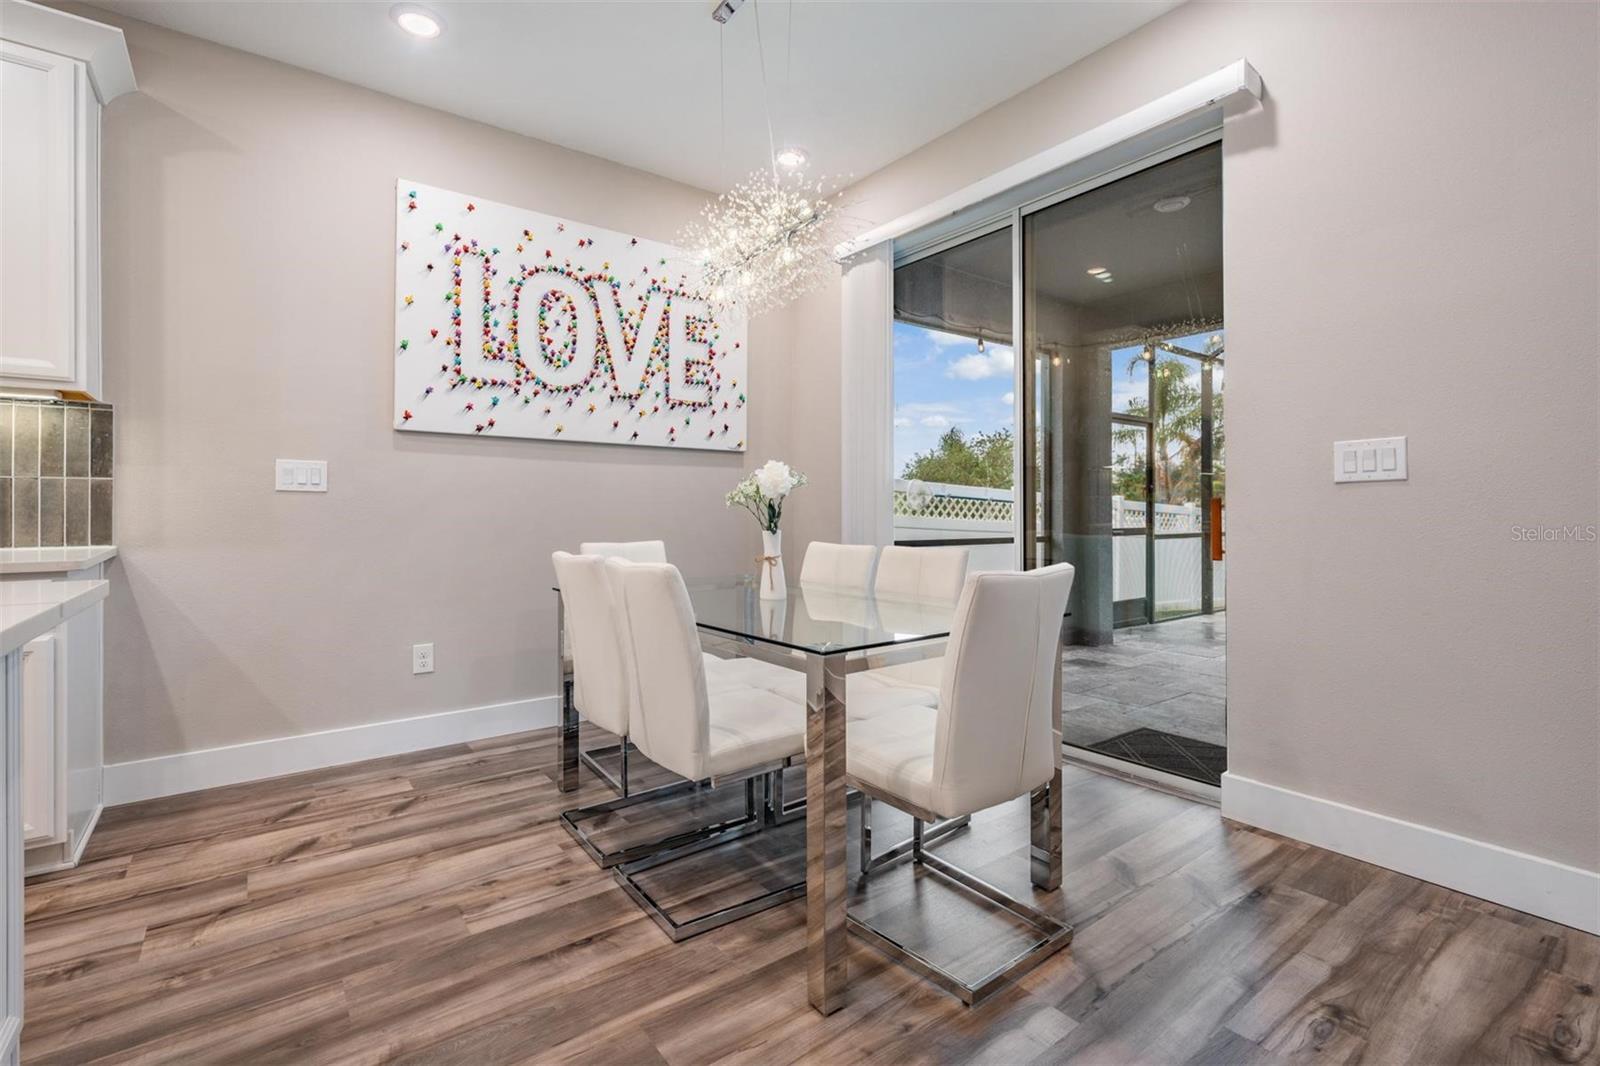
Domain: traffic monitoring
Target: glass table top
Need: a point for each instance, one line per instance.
(809, 618)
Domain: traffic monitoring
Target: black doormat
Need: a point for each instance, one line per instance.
(1194, 759)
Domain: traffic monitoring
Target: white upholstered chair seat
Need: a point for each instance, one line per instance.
(873, 692)
(865, 694)
(739, 670)
(751, 726)
(922, 674)
(890, 752)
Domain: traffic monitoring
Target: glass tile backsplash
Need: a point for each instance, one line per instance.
(55, 473)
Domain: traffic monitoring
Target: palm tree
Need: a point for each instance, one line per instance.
(1176, 426)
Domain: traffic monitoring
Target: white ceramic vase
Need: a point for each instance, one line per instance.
(773, 585)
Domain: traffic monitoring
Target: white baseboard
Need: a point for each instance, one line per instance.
(169, 775)
(1552, 890)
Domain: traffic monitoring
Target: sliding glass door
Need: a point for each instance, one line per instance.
(1121, 352)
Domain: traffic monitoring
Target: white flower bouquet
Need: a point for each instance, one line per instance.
(763, 491)
(762, 494)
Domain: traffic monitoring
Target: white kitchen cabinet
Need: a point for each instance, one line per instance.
(62, 709)
(57, 71)
(29, 609)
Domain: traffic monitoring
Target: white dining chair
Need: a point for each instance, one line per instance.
(594, 642)
(933, 574)
(703, 731)
(994, 736)
(908, 580)
(639, 551)
(838, 566)
(600, 664)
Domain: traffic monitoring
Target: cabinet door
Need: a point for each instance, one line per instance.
(40, 243)
(41, 740)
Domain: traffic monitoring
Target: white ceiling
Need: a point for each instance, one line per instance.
(636, 81)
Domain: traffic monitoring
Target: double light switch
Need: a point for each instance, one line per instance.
(1376, 459)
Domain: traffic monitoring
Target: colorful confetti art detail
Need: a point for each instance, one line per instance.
(560, 330)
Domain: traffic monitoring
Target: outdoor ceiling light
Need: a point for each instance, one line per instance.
(791, 157)
(1171, 204)
(1097, 271)
(417, 20)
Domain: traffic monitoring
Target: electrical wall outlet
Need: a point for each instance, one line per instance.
(422, 658)
(301, 475)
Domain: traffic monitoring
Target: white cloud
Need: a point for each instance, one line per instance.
(1009, 399)
(936, 421)
(996, 362)
(901, 423)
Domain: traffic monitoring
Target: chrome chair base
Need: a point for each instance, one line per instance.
(763, 810)
(931, 834)
(673, 842)
(1054, 934)
(590, 758)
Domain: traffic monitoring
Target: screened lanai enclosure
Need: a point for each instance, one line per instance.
(1115, 289)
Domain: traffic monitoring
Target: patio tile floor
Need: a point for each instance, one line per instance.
(1167, 676)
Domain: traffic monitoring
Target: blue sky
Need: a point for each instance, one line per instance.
(942, 380)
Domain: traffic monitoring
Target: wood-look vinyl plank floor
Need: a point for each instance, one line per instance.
(429, 909)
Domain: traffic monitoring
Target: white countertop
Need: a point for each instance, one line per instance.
(53, 560)
(31, 608)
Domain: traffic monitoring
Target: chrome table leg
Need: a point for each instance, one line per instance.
(827, 881)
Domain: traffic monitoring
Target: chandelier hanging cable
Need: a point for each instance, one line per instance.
(771, 237)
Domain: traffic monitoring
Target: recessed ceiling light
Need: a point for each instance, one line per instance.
(416, 20)
(1171, 204)
(1097, 271)
(791, 157)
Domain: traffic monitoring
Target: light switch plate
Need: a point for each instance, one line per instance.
(301, 475)
(1373, 459)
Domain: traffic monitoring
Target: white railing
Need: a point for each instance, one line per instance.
(932, 511)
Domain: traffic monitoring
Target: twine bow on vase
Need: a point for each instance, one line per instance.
(769, 569)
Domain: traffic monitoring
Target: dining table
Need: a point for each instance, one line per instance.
(828, 634)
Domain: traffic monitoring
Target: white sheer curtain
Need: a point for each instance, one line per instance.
(867, 396)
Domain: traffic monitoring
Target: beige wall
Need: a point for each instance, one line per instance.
(248, 285)
(1411, 237)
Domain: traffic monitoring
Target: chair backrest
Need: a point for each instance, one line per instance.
(595, 634)
(635, 551)
(671, 721)
(995, 739)
(925, 574)
(838, 566)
